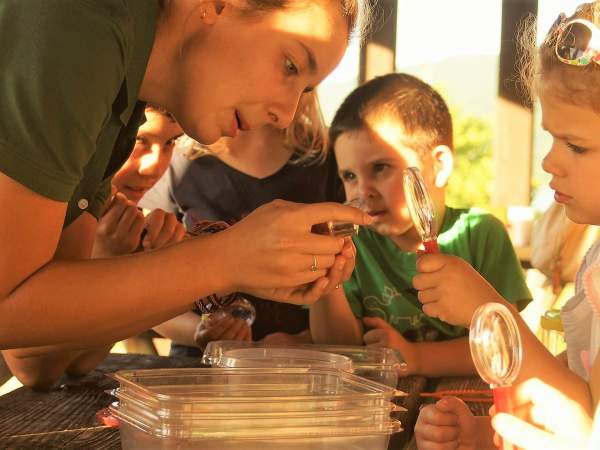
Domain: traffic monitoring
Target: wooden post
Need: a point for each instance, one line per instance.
(378, 54)
(514, 127)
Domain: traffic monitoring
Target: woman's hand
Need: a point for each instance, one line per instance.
(451, 289)
(275, 255)
(221, 326)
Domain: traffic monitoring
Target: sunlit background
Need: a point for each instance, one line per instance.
(455, 46)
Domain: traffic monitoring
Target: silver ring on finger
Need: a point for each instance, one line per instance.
(314, 266)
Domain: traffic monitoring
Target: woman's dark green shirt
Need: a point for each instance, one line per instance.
(71, 71)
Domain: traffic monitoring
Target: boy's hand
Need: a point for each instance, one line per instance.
(221, 326)
(119, 229)
(162, 229)
(446, 425)
(548, 420)
(450, 289)
(382, 334)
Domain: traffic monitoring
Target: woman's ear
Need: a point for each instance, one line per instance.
(443, 160)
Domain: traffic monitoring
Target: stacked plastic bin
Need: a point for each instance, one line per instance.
(311, 408)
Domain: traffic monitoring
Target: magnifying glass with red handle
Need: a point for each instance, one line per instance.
(497, 352)
(420, 207)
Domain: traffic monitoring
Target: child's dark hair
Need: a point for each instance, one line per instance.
(413, 104)
(159, 109)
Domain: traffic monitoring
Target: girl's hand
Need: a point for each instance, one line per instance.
(119, 229)
(548, 420)
(275, 255)
(221, 326)
(162, 229)
(382, 334)
(451, 289)
(446, 425)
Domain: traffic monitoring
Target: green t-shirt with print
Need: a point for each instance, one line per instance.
(381, 284)
(71, 73)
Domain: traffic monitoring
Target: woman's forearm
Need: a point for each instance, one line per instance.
(65, 301)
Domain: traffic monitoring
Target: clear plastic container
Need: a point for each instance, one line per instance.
(376, 364)
(283, 357)
(136, 436)
(252, 409)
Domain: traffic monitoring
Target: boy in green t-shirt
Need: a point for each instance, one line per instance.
(384, 126)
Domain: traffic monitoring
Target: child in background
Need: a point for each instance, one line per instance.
(386, 125)
(228, 180)
(120, 228)
(569, 96)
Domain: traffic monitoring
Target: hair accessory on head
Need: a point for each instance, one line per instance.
(578, 42)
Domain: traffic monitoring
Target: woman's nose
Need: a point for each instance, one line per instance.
(282, 112)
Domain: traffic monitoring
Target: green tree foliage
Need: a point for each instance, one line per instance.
(471, 180)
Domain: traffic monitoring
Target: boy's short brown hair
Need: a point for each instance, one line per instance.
(418, 108)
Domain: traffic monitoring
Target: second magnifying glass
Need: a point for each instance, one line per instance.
(421, 209)
(497, 352)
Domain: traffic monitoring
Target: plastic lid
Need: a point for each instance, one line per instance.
(283, 357)
(551, 320)
(380, 358)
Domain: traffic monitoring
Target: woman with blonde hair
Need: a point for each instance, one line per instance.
(75, 79)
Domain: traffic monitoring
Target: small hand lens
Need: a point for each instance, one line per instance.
(497, 352)
(420, 207)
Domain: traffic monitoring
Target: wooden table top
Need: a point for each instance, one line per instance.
(65, 417)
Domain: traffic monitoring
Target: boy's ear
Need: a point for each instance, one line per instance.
(443, 160)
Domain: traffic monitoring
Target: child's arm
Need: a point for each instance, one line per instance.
(451, 289)
(180, 329)
(456, 358)
(332, 321)
(191, 330)
(422, 358)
